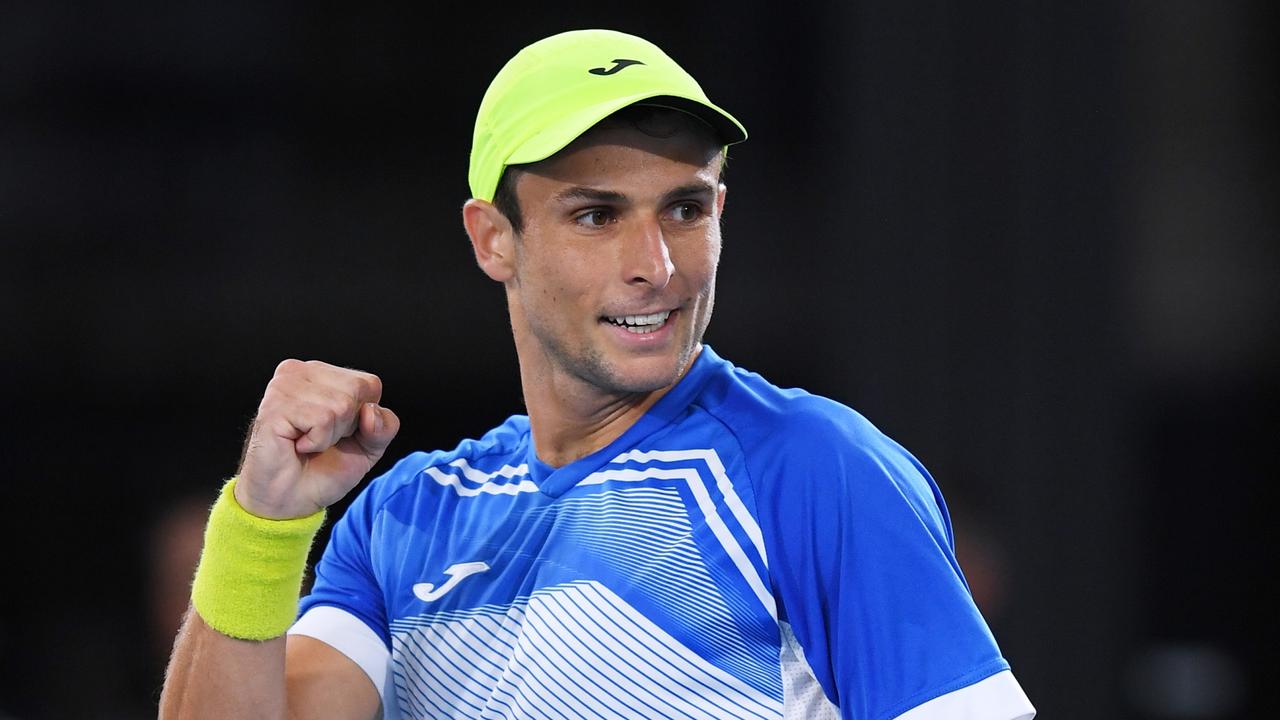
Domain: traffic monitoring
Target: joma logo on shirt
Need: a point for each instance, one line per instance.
(457, 572)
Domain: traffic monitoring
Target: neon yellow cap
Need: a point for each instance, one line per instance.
(557, 88)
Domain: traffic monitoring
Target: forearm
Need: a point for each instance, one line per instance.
(319, 429)
(229, 658)
(212, 675)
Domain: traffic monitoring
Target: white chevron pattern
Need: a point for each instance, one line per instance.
(571, 651)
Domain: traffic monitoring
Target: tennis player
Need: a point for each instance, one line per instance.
(663, 535)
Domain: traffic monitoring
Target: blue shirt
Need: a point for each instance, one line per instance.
(742, 551)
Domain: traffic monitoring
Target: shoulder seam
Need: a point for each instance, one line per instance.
(737, 440)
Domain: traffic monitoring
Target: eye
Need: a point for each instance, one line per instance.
(596, 218)
(685, 212)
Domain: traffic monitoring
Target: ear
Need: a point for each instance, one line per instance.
(720, 200)
(492, 239)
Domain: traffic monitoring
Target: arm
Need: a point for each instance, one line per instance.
(298, 678)
(318, 431)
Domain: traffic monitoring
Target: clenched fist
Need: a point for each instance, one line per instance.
(319, 430)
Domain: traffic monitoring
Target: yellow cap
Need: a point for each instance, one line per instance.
(557, 88)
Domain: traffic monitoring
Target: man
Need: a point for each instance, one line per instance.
(663, 535)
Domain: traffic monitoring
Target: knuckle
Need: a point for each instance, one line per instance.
(344, 405)
(326, 417)
(288, 366)
(373, 384)
(362, 384)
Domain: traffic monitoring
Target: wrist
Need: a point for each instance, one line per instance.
(250, 571)
(262, 505)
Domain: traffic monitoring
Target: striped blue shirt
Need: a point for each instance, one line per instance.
(741, 551)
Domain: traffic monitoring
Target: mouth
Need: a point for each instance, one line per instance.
(640, 324)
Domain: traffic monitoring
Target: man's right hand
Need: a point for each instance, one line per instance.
(318, 431)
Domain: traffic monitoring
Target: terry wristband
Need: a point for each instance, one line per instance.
(250, 571)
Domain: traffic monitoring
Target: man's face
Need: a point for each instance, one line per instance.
(615, 269)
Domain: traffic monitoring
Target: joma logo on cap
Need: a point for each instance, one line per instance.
(618, 65)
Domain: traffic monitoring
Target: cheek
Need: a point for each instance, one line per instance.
(555, 279)
(698, 260)
(715, 255)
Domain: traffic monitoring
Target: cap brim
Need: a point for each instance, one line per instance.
(554, 139)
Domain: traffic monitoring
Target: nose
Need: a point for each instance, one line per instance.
(647, 257)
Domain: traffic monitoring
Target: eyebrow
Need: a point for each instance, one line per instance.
(579, 192)
(695, 188)
(586, 193)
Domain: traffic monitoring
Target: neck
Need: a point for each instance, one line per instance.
(570, 419)
(569, 416)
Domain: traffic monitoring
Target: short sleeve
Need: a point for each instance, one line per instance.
(863, 568)
(346, 577)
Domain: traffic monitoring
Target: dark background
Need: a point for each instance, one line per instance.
(1034, 242)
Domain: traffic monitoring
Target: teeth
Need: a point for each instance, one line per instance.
(641, 324)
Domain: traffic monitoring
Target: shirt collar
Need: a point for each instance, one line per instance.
(556, 481)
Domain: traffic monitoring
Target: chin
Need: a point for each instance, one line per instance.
(648, 374)
(627, 374)
(608, 367)
(638, 383)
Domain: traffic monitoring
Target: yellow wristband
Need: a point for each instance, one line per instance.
(250, 571)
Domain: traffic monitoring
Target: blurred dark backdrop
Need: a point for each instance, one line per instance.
(1034, 242)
